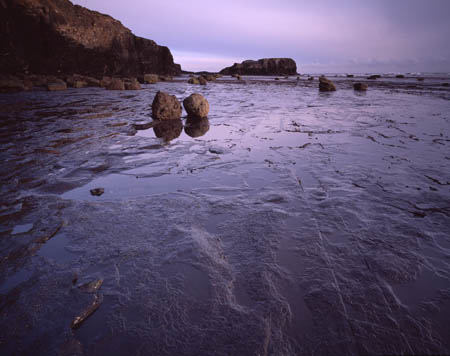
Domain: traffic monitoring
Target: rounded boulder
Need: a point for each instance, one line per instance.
(196, 105)
(166, 107)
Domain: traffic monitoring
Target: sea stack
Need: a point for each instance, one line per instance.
(265, 66)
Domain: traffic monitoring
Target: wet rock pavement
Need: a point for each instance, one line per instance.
(297, 223)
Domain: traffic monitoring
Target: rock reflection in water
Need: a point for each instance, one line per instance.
(168, 130)
(196, 127)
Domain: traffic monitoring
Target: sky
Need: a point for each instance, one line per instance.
(322, 36)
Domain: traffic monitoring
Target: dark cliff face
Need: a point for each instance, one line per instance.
(265, 66)
(57, 37)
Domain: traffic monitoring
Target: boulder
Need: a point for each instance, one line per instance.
(151, 78)
(326, 84)
(11, 84)
(168, 130)
(420, 79)
(116, 84)
(38, 80)
(196, 105)
(400, 76)
(360, 86)
(193, 80)
(311, 78)
(202, 80)
(105, 81)
(83, 81)
(210, 78)
(79, 84)
(57, 37)
(373, 77)
(265, 66)
(165, 78)
(166, 107)
(132, 84)
(350, 75)
(56, 85)
(196, 127)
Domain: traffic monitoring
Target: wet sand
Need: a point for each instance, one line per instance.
(292, 222)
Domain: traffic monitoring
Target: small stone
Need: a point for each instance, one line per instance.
(97, 191)
(196, 105)
(311, 78)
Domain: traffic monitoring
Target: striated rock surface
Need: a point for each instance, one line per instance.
(57, 37)
(265, 66)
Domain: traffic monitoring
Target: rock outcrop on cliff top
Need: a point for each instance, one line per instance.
(265, 66)
(57, 37)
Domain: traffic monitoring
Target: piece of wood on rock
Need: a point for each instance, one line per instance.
(166, 107)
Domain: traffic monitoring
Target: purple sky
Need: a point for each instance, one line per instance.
(321, 36)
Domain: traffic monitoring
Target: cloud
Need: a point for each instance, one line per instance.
(380, 32)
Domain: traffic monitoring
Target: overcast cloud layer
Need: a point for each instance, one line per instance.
(321, 36)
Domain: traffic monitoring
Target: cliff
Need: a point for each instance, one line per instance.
(57, 37)
(265, 66)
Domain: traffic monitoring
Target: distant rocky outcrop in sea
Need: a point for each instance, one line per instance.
(265, 66)
(57, 37)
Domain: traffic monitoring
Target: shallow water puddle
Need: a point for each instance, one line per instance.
(13, 281)
(55, 249)
(20, 229)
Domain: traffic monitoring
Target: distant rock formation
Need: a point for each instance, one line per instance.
(265, 66)
(57, 37)
(326, 84)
